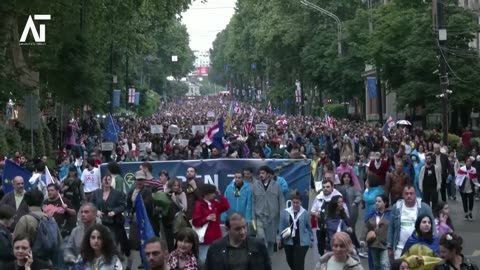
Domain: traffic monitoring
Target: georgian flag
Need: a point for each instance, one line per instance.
(248, 125)
(269, 108)
(238, 109)
(462, 174)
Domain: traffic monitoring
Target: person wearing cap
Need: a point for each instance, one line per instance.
(146, 192)
(267, 204)
(466, 181)
(379, 167)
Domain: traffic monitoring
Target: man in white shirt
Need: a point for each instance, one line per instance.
(319, 211)
(402, 222)
(91, 178)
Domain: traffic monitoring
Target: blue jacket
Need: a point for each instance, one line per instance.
(414, 240)
(304, 225)
(393, 235)
(417, 166)
(333, 225)
(369, 197)
(241, 204)
(267, 151)
(284, 186)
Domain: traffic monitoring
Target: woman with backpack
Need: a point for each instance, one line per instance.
(451, 251)
(175, 219)
(337, 219)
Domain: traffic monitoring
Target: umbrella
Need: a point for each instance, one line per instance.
(404, 122)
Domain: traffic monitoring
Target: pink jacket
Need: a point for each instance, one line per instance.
(349, 169)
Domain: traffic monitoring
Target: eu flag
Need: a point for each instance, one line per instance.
(11, 170)
(145, 230)
(111, 131)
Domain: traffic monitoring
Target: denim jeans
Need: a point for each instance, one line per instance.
(202, 253)
(380, 259)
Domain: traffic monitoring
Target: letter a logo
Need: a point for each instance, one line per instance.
(30, 26)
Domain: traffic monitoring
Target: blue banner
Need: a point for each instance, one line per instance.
(116, 98)
(372, 87)
(10, 171)
(220, 172)
(137, 98)
(145, 229)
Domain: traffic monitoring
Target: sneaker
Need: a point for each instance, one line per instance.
(470, 216)
(363, 254)
(466, 217)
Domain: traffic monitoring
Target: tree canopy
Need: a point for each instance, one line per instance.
(287, 41)
(88, 43)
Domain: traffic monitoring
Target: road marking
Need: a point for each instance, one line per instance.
(476, 253)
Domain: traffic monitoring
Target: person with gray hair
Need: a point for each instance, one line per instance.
(88, 213)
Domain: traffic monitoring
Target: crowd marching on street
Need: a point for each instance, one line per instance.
(396, 180)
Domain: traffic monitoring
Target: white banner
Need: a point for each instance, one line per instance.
(183, 142)
(156, 129)
(173, 129)
(199, 128)
(261, 128)
(107, 146)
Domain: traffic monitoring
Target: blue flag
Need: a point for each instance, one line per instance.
(372, 87)
(11, 170)
(137, 98)
(217, 140)
(111, 131)
(145, 230)
(116, 98)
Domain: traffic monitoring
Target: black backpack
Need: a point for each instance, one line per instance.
(322, 220)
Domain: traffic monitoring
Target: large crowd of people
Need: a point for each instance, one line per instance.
(397, 182)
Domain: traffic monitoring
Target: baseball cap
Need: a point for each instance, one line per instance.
(140, 175)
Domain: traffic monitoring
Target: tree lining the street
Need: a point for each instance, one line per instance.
(89, 41)
(288, 41)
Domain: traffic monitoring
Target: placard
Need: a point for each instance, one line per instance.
(261, 128)
(211, 114)
(198, 128)
(173, 129)
(107, 146)
(156, 129)
(183, 142)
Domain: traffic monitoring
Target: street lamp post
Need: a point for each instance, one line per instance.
(331, 15)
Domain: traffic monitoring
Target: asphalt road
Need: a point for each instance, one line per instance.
(469, 230)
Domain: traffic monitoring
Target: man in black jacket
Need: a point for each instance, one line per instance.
(15, 200)
(441, 160)
(237, 250)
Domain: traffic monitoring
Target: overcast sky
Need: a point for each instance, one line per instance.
(205, 20)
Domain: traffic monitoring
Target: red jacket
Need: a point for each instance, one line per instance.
(201, 212)
(381, 172)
